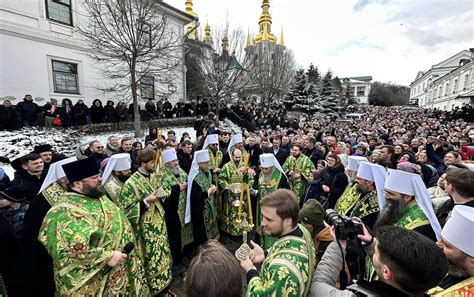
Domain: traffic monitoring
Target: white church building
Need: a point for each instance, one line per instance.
(447, 84)
(42, 55)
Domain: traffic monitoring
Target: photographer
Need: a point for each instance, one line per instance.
(407, 264)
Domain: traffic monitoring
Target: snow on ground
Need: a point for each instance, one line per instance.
(21, 142)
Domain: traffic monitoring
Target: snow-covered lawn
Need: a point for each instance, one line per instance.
(21, 142)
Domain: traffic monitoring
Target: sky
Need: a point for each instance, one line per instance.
(390, 40)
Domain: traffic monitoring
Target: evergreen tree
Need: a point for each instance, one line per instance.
(336, 82)
(313, 74)
(295, 99)
(330, 95)
(326, 83)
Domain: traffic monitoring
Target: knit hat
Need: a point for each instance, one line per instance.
(43, 148)
(312, 213)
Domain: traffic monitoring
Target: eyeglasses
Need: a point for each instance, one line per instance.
(99, 147)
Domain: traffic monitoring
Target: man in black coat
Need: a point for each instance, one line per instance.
(280, 153)
(28, 111)
(8, 117)
(168, 109)
(47, 155)
(126, 147)
(22, 189)
(185, 155)
(254, 150)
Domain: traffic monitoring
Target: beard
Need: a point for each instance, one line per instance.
(122, 178)
(388, 215)
(92, 192)
(456, 271)
(274, 233)
(175, 170)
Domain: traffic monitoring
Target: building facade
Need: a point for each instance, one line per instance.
(43, 55)
(359, 87)
(446, 85)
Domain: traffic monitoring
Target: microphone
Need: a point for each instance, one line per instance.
(127, 249)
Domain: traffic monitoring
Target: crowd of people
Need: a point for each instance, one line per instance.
(68, 114)
(380, 206)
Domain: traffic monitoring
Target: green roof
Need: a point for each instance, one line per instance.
(233, 63)
(361, 78)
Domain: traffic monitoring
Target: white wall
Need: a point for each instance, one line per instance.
(28, 43)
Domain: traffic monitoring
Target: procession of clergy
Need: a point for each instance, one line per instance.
(92, 215)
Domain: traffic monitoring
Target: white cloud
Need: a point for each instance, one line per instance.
(389, 39)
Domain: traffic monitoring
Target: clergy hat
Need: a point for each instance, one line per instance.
(81, 169)
(43, 148)
(457, 229)
(354, 162)
(268, 160)
(374, 173)
(210, 139)
(411, 184)
(117, 162)
(237, 138)
(169, 155)
(55, 172)
(201, 156)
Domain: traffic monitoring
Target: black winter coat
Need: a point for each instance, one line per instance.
(336, 179)
(81, 111)
(8, 118)
(28, 110)
(97, 114)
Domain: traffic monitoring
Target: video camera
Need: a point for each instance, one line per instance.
(344, 226)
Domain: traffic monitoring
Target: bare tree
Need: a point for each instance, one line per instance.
(224, 66)
(271, 72)
(136, 44)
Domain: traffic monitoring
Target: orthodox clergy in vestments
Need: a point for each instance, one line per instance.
(370, 182)
(349, 197)
(215, 163)
(459, 249)
(141, 200)
(233, 173)
(298, 167)
(407, 204)
(180, 233)
(201, 190)
(272, 177)
(36, 266)
(84, 233)
(288, 267)
(116, 172)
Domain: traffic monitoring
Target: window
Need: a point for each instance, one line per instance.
(360, 91)
(65, 77)
(352, 90)
(446, 90)
(466, 80)
(147, 87)
(145, 39)
(59, 11)
(440, 91)
(455, 87)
